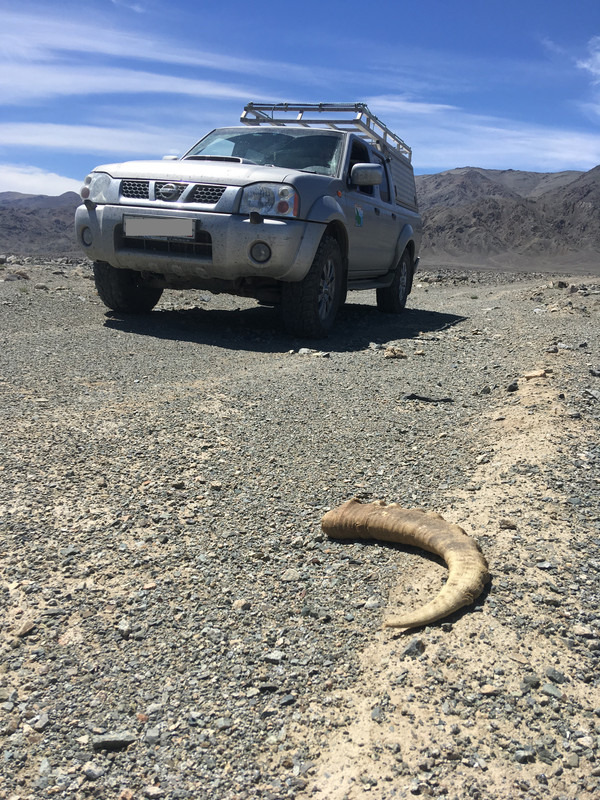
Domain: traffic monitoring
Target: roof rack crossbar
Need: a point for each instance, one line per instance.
(327, 115)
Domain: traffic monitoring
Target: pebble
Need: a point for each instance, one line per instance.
(113, 740)
(555, 675)
(415, 648)
(551, 690)
(93, 771)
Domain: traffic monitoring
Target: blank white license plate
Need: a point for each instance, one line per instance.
(159, 227)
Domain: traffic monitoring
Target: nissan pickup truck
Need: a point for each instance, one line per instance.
(294, 207)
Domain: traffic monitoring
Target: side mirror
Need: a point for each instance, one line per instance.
(366, 174)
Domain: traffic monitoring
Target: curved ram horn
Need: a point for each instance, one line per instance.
(468, 572)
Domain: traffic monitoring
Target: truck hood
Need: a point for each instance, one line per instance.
(222, 172)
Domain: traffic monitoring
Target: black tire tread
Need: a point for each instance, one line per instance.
(299, 300)
(123, 290)
(389, 300)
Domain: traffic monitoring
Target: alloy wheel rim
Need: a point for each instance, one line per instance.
(326, 288)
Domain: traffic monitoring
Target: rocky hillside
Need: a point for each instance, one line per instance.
(503, 218)
(38, 224)
(512, 217)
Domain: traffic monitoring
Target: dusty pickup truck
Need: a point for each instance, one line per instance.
(291, 210)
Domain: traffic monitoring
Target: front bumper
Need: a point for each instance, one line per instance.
(220, 249)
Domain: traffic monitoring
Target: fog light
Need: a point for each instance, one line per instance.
(86, 236)
(260, 252)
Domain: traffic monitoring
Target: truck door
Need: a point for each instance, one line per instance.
(371, 240)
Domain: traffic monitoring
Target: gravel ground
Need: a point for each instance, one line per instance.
(176, 625)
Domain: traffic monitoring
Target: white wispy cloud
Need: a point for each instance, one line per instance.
(120, 141)
(45, 40)
(447, 135)
(394, 104)
(139, 9)
(32, 180)
(505, 146)
(592, 63)
(24, 83)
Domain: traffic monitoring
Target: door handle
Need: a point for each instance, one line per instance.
(377, 211)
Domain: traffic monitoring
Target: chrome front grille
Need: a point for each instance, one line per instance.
(205, 193)
(137, 190)
(172, 192)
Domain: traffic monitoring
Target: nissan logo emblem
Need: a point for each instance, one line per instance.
(168, 191)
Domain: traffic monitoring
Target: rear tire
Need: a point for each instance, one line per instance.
(310, 306)
(393, 299)
(124, 290)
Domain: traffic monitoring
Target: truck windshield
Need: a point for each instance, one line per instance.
(304, 150)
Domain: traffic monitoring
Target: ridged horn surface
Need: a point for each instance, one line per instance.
(467, 567)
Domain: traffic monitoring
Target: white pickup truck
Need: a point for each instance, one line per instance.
(295, 207)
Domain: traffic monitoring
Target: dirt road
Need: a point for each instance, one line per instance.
(175, 623)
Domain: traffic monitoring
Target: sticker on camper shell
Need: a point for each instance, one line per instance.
(358, 216)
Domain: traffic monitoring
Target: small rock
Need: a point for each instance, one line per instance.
(531, 681)
(291, 575)
(507, 524)
(125, 628)
(92, 771)
(571, 761)
(152, 735)
(525, 755)
(583, 630)
(287, 700)
(153, 791)
(512, 387)
(415, 648)
(489, 690)
(394, 352)
(373, 602)
(555, 676)
(550, 690)
(26, 628)
(40, 723)
(275, 657)
(113, 740)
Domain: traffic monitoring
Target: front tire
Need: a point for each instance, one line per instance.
(393, 299)
(124, 290)
(310, 306)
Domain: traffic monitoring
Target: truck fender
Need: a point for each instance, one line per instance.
(326, 209)
(406, 234)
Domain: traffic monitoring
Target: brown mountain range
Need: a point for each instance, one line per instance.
(510, 217)
(502, 218)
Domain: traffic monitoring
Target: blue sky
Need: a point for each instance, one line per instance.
(502, 85)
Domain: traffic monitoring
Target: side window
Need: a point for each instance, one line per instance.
(359, 155)
(384, 186)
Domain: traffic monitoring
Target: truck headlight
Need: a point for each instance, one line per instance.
(96, 188)
(270, 200)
